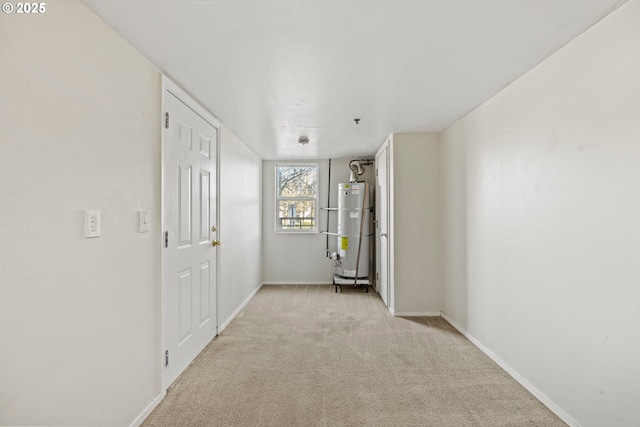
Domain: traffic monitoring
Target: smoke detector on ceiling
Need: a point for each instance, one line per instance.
(303, 140)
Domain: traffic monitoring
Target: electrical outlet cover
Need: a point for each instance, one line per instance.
(143, 221)
(91, 224)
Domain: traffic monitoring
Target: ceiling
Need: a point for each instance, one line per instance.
(275, 70)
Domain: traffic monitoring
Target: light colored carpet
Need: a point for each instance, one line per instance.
(306, 356)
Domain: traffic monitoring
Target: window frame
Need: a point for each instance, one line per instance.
(277, 199)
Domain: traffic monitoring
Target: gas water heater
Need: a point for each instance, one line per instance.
(354, 217)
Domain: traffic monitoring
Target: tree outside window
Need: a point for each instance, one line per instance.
(296, 197)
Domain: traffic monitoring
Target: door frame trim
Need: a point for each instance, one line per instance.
(388, 145)
(169, 86)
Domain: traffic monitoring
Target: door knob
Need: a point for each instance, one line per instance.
(215, 243)
(383, 235)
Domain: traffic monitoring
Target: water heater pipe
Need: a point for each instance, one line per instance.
(362, 215)
(357, 168)
(328, 204)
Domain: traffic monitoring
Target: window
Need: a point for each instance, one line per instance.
(296, 197)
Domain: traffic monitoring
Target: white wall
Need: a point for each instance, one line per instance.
(542, 264)
(301, 258)
(416, 240)
(453, 210)
(240, 229)
(79, 318)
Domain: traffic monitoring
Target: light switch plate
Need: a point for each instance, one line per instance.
(91, 224)
(143, 221)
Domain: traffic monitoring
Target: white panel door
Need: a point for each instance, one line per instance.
(189, 293)
(382, 206)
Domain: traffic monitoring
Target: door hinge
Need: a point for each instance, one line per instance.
(166, 239)
(166, 120)
(166, 358)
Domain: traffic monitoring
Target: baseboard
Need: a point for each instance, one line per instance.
(144, 414)
(289, 282)
(416, 314)
(239, 309)
(515, 375)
